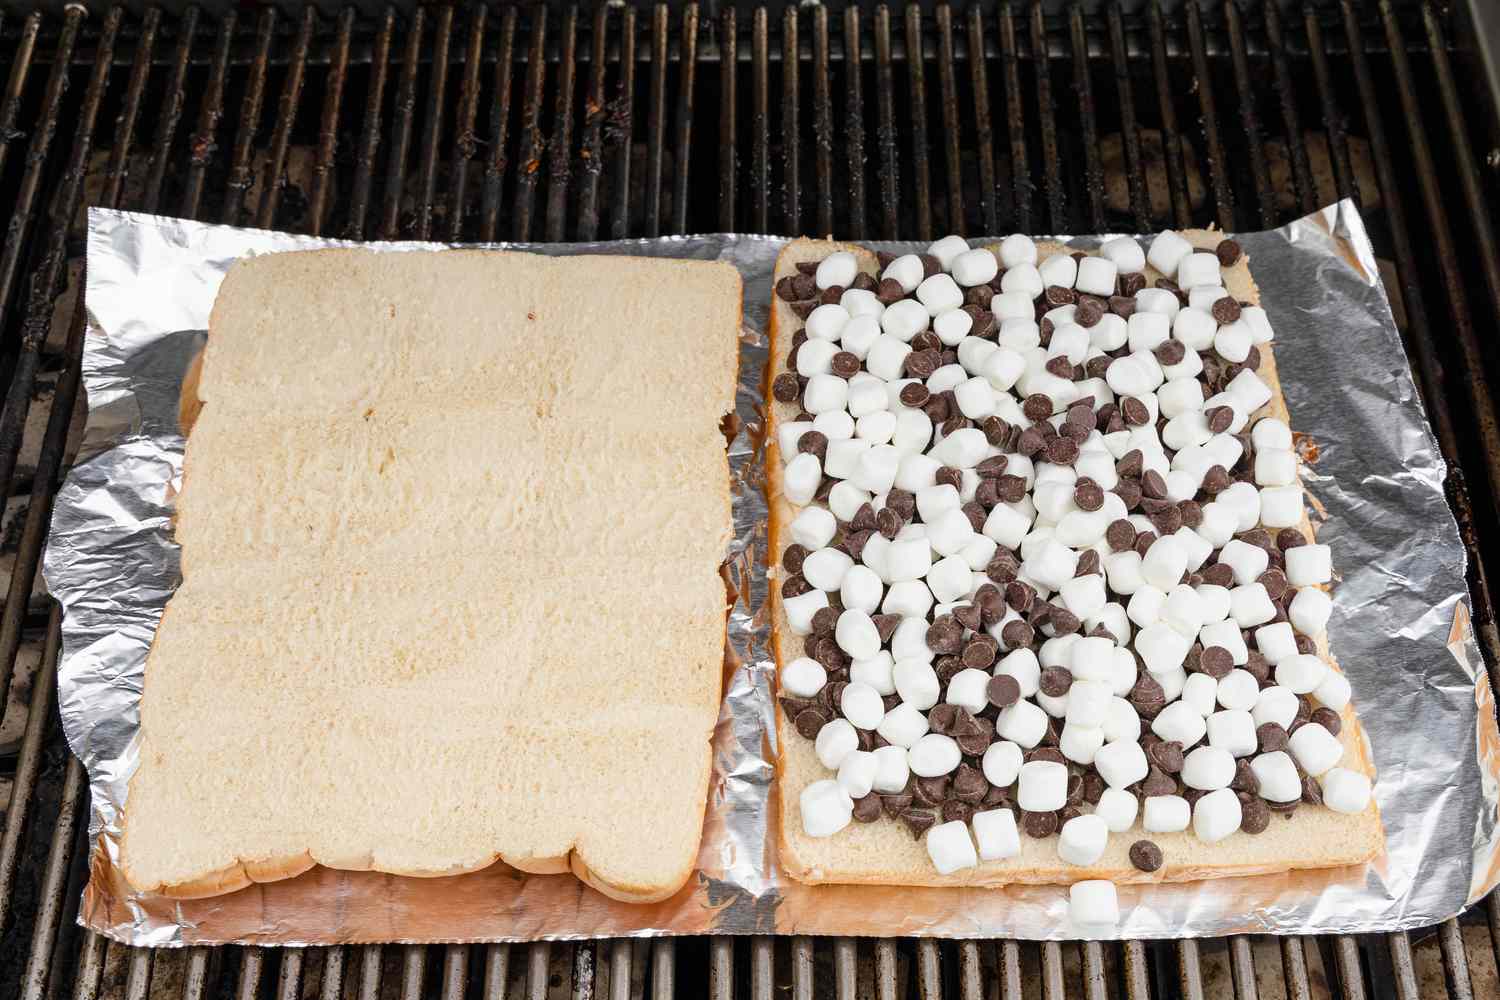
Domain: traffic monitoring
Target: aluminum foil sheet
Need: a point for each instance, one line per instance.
(1400, 628)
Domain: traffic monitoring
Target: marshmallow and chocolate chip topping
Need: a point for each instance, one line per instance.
(1048, 574)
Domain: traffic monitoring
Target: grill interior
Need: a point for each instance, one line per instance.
(504, 122)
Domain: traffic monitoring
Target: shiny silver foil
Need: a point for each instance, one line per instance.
(1400, 629)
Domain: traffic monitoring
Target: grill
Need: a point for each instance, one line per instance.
(565, 122)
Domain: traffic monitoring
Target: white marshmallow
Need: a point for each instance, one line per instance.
(815, 357)
(1129, 376)
(1208, 768)
(1121, 722)
(800, 610)
(1165, 814)
(1334, 691)
(1179, 722)
(1238, 691)
(1250, 605)
(1276, 642)
(801, 478)
(1123, 570)
(978, 552)
(824, 326)
(1307, 565)
(1022, 664)
(1201, 692)
(1275, 467)
(1164, 563)
(995, 832)
(1244, 500)
(1275, 704)
(902, 726)
(865, 398)
(1043, 785)
(975, 398)
(1260, 326)
(877, 671)
(1204, 296)
(825, 568)
(1052, 566)
(962, 449)
(838, 268)
(933, 755)
(857, 774)
(948, 249)
(1080, 743)
(1109, 334)
(1083, 838)
(836, 425)
(1059, 269)
(953, 326)
(1248, 388)
(913, 431)
(1193, 327)
(1121, 763)
(1015, 305)
(1162, 648)
(861, 302)
(1091, 658)
(907, 598)
(1197, 269)
(1167, 252)
(967, 688)
(1217, 814)
(917, 473)
(842, 458)
(916, 682)
(861, 705)
(825, 393)
(826, 808)
(876, 469)
(1226, 634)
(1070, 341)
(1247, 561)
(1157, 300)
(1017, 249)
(940, 293)
(949, 532)
(1125, 253)
(950, 848)
(950, 578)
(1093, 903)
(1178, 395)
(1096, 276)
(859, 334)
(975, 267)
(1145, 605)
(907, 271)
(836, 740)
(1084, 595)
(887, 356)
(1281, 506)
(908, 559)
(804, 677)
(1213, 600)
(814, 527)
(974, 352)
(1315, 748)
(1022, 278)
(1278, 777)
(1301, 674)
(1345, 791)
(891, 770)
(1232, 342)
(1232, 731)
(1003, 368)
(1270, 432)
(860, 591)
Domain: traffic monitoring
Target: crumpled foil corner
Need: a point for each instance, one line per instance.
(1400, 629)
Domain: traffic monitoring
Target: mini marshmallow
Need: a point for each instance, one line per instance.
(1125, 253)
(950, 578)
(857, 774)
(877, 671)
(967, 689)
(1238, 691)
(908, 559)
(1022, 278)
(948, 249)
(1275, 467)
(836, 740)
(1091, 658)
(836, 425)
(861, 302)
(1226, 634)
(1198, 269)
(1016, 250)
(1178, 395)
(1070, 341)
(857, 635)
(1083, 838)
(1121, 763)
(1059, 269)
(838, 268)
(1208, 768)
(950, 848)
(1201, 691)
(1167, 252)
(1008, 307)
(948, 532)
(1052, 566)
(799, 610)
(933, 755)
(975, 398)
(1121, 722)
(1307, 565)
(824, 326)
(917, 474)
(940, 293)
(861, 705)
(1164, 563)
(787, 436)
(801, 478)
(974, 352)
(1179, 722)
(1275, 704)
(952, 327)
(1315, 748)
(1278, 777)
(1185, 430)
(1122, 568)
(1022, 664)
(916, 682)
(1250, 605)
(804, 677)
(907, 598)
(1345, 791)
(825, 393)
(1042, 785)
(1145, 605)
(1183, 610)
(975, 267)
(814, 527)
(1276, 642)
(1217, 814)
(815, 357)
(996, 834)
(1084, 595)
(902, 726)
(1334, 691)
(1269, 432)
(1233, 731)
(825, 568)
(891, 770)
(842, 458)
(907, 271)
(826, 808)
(1109, 334)
(1248, 388)
(860, 591)
(1301, 674)
(1158, 300)
(876, 469)
(1162, 648)
(1213, 600)
(979, 551)
(1193, 327)
(1247, 561)
(1057, 707)
(963, 449)
(1096, 276)
(887, 356)
(1260, 326)
(1093, 903)
(1080, 743)
(1165, 814)
(913, 431)
(1281, 506)
(1232, 342)
(1244, 500)
(865, 398)
(910, 641)
(1129, 376)
(859, 334)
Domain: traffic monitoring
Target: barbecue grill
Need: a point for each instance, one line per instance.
(558, 122)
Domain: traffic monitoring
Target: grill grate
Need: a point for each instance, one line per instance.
(568, 122)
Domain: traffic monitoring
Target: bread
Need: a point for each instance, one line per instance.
(885, 851)
(451, 528)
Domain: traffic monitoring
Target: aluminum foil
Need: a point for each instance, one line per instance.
(1400, 628)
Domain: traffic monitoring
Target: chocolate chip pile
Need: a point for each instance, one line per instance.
(1049, 576)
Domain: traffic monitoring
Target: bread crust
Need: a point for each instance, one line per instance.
(884, 853)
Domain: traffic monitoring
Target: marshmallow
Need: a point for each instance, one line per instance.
(1080, 743)
(952, 327)
(1201, 691)
(1275, 704)
(1213, 601)
(1178, 395)
(826, 808)
(1109, 334)
(1226, 634)
(1278, 777)
(1180, 722)
(1084, 595)
(860, 591)
(1164, 563)
(1193, 327)
(836, 740)
(913, 431)
(1233, 731)
(968, 689)
(804, 677)
(1096, 276)
(1016, 250)
(1247, 561)
(1260, 326)
(800, 610)
(1043, 785)
(801, 478)
(861, 705)
(1281, 506)
(859, 334)
(902, 726)
(877, 671)
(1091, 658)
(1016, 307)
(1158, 300)
(1125, 253)
(1093, 903)
(995, 832)
(1217, 814)
(975, 267)
(1059, 269)
(1251, 392)
(949, 530)
(1334, 691)
(1307, 565)
(824, 326)
(1238, 691)
(1023, 278)
(950, 578)
(1275, 467)
(1250, 605)
(962, 449)
(891, 770)
(1022, 664)
(907, 271)
(1052, 566)
(825, 568)
(916, 682)
(1083, 838)
(1145, 605)
(1088, 701)
(1162, 648)
(940, 293)
(1345, 791)
(1208, 768)
(814, 527)
(1123, 570)
(861, 302)
(948, 249)
(1276, 642)
(857, 774)
(836, 425)
(839, 268)
(933, 755)
(1167, 252)
(1232, 342)
(950, 848)
(1121, 763)
(906, 559)
(1130, 376)
(1301, 674)
(815, 357)
(825, 393)
(1197, 269)
(1315, 748)
(876, 469)
(1271, 433)
(1204, 296)
(865, 398)
(907, 598)
(842, 459)
(1165, 814)
(1121, 723)
(887, 356)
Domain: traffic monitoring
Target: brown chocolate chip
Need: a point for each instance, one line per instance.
(948, 476)
(1039, 824)
(903, 502)
(979, 295)
(1215, 480)
(864, 281)
(1170, 352)
(991, 605)
(1011, 488)
(1216, 662)
(930, 264)
(888, 522)
(1312, 792)
(1328, 719)
(1167, 520)
(927, 341)
(1305, 645)
(1147, 696)
(957, 811)
(1218, 575)
(931, 792)
(947, 667)
(886, 625)
(996, 431)
(1120, 535)
(1058, 295)
(1037, 407)
(854, 543)
(809, 722)
(813, 443)
(1003, 691)
(1017, 634)
(1031, 441)
(1166, 755)
(1145, 856)
(1153, 485)
(1228, 252)
(945, 635)
(1135, 414)
(979, 654)
(969, 784)
(1252, 358)
(824, 620)
(831, 295)
(1255, 816)
(896, 803)
(968, 616)
(889, 291)
(1088, 495)
(1225, 310)
(867, 809)
(845, 364)
(992, 467)
(791, 558)
(1289, 538)
(1219, 418)
(795, 586)
(1056, 681)
(864, 518)
(918, 821)
(1089, 312)
(921, 364)
(1122, 306)
(1003, 567)
(1158, 782)
(1144, 541)
(915, 395)
(1062, 451)
(1244, 778)
(1257, 667)
(786, 388)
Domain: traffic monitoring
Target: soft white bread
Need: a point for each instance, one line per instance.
(451, 530)
(885, 852)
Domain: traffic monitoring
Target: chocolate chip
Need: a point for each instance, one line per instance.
(1056, 681)
(1147, 696)
(1215, 480)
(915, 395)
(903, 502)
(979, 654)
(1144, 541)
(1003, 567)
(1088, 495)
(854, 543)
(844, 364)
(824, 620)
(1228, 252)
(1135, 414)
(1031, 442)
(813, 443)
(1158, 782)
(996, 431)
(1252, 358)
(864, 518)
(1218, 575)
(867, 809)
(957, 811)
(1039, 824)
(1058, 295)
(1012, 488)
(931, 792)
(1037, 407)
(1145, 856)
(1258, 667)
(1003, 690)
(1289, 538)
(791, 558)
(1255, 816)
(969, 784)
(1219, 418)
(1063, 451)
(1216, 662)
(921, 364)
(1170, 352)
(795, 586)
(1017, 634)
(930, 264)
(1328, 719)
(919, 822)
(1312, 792)
(1244, 778)
(992, 467)
(1089, 312)
(809, 722)
(896, 803)
(1167, 520)
(976, 743)
(927, 341)
(1166, 755)
(1122, 306)
(889, 291)
(969, 617)
(979, 295)
(940, 718)
(1120, 535)
(1064, 622)
(1131, 283)
(947, 667)
(997, 797)
(888, 523)
(1225, 310)
(1305, 645)
(945, 636)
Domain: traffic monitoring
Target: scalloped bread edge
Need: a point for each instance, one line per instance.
(885, 853)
